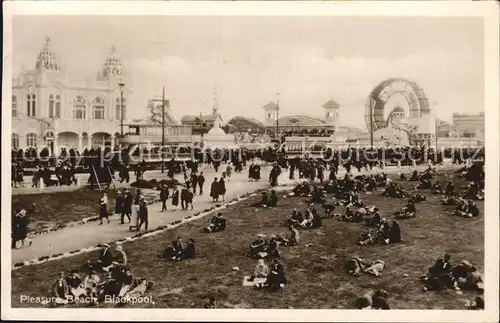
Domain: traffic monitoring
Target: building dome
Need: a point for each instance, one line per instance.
(112, 65)
(47, 59)
(216, 132)
(398, 109)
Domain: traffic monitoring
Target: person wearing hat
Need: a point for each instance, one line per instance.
(258, 245)
(90, 283)
(214, 190)
(103, 211)
(143, 215)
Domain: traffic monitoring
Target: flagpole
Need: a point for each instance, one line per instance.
(162, 131)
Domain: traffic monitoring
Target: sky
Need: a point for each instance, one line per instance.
(249, 59)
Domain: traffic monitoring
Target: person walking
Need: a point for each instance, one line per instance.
(222, 188)
(201, 182)
(143, 215)
(103, 211)
(175, 198)
(163, 197)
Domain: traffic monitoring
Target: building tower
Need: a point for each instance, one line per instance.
(271, 111)
(331, 112)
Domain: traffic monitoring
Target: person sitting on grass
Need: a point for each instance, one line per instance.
(302, 190)
(273, 199)
(439, 276)
(374, 221)
(261, 270)
(295, 219)
(174, 252)
(467, 209)
(272, 250)
(75, 283)
(210, 302)
(318, 196)
(402, 177)
(91, 282)
(415, 176)
(106, 258)
(474, 192)
(294, 238)
(190, 251)
(354, 266)
(264, 201)
(451, 199)
(329, 207)
(347, 216)
(425, 184)
(276, 277)
(308, 219)
(408, 211)
(60, 289)
(450, 189)
(376, 300)
(217, 224)
(437, 189)
(468, 277)
(258, 246)
(395, 233)
(461, 207)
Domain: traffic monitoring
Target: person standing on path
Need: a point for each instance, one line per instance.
(194, 181)
(143, 215)
(135, 217)
(103, 211)
(105, 199)
(128, 199)
(175, 198)
(214, 190)
(201, 182)
(164, 197)
(222, 188)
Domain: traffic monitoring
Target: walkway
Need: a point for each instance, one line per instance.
(90, 234)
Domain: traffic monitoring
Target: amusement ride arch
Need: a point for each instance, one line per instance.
(381, 94)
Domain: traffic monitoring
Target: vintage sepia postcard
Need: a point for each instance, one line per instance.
(250, 161)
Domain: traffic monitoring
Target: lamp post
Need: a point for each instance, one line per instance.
(278, 117)
(162, 130)
(122, 89)
(371, 123)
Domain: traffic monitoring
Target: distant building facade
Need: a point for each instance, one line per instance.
(468, 125)
(50, 109)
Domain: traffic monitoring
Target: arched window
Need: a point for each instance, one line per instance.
(14, 106)
(54, 106)
(15, 141)
(80, 108)
(98, 108)
(31, 140)
(31, 105)
(119, 108)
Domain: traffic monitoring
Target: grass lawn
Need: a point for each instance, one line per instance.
(57, 209)
(316, 278)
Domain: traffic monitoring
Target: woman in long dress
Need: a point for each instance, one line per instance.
(175, 198)
(134, 212)
(222, 188)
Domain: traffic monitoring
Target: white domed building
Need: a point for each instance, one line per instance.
(51, 109)
(217, 137)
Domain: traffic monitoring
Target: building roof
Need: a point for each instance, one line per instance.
(235, 120)
(47, 59)
(191, 118)
(331, 104)
(271, 104)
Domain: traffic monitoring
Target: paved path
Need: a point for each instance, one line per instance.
(90, 234)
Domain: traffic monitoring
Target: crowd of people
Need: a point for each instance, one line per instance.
(328, 192)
